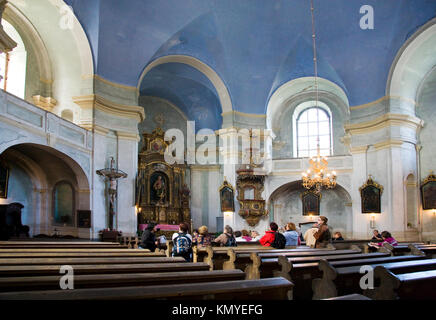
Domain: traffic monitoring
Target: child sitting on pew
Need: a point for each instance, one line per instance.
(387, 238)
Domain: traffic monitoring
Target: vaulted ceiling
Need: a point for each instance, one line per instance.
(253, 45)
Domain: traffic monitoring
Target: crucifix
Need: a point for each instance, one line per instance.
(111, 175)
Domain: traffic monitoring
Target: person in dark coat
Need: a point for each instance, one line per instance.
(148, 238)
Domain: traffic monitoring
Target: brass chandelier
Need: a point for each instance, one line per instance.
(317, 176)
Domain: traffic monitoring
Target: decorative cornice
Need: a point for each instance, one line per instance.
(360, 149)
(128, 136)
(242, 114)
(373, 103)
(388, 144)
(389, 119)
(100, 130)
(113, 84)
(46, 103)
(212, 167)
(119, 110)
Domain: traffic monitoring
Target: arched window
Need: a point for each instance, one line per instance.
(13, 64)
(312, 121)
(63, 204)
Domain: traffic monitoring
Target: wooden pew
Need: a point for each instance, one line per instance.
(46, 270)
(409, 248)
(241, 259)
(88, 261)
(118, 280)
(263, 289)
(410, 286)
(301, 272)
(131, 242)
(345, 280)
(354, 296)
(60, 245)
(427, 250)
(207, 253)
(127, 254)
(270, 265)
(73, 250)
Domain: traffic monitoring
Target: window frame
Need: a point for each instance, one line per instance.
(298, 112)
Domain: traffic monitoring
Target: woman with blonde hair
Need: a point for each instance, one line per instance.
(203, 239)
(291, 235)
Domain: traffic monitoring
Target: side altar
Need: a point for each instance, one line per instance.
(162, 195)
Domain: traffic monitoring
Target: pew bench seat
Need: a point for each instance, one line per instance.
(89, 261)
(118, 280)
(408, 286)
(345, 280)
(262, 289)
(38, 270)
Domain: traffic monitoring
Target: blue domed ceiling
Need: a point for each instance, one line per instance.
(253, 45)
(188, 89)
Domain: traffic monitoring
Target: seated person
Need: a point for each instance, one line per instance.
(255, 236)
(376, 236)
(270, 235)
(246, 235)
(202, 239)
(310, 238)
(238, 236)
(148, 238)
(291, 235)
(337, 236)
(226, 239)
(182, 243)
(387, 238)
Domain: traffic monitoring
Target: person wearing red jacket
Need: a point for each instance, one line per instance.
(270, 235)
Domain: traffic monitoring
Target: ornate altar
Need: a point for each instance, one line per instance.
(161, 193)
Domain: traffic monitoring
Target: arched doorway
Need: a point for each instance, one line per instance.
(50, 185)
(286, 205)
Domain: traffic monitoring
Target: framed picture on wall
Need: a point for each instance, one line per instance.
(84, 218)
(310, 203)
(227, 197)
(428, 193)
(370, 194)
(4, 179)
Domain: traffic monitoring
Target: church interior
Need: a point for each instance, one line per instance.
(120, 115)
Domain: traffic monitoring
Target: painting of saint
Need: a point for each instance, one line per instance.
(227, 199)
(428, 191)
(371, 199)
(159, 188)
(310, 203)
